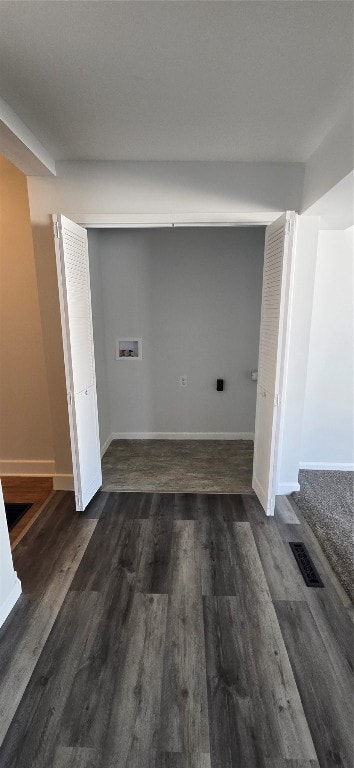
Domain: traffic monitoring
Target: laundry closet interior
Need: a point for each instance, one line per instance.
(176, 320)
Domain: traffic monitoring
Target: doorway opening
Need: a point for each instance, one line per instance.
(183, 305)
(71, 244)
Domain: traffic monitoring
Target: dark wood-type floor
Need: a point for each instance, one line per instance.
(173, 631)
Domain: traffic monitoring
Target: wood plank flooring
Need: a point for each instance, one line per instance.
(173, 631)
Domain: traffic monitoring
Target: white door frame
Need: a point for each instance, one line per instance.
(209, 219)
(157, 220)
(273, 390)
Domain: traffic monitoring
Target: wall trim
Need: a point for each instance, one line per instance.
(191, 219)
(328, 465)
(63, 482)
(106, 445)
(10, 600)
(24, 467)
(284, 489)
(181, 436)
(26, 528)
(260, 493)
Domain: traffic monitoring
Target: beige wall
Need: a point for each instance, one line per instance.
(25, 423)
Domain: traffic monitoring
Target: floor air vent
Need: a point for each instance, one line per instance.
(305, 564)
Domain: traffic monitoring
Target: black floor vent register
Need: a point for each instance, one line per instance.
(305, 564)
(14, 512)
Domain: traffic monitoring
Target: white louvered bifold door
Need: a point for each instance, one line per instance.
(76, 321)
(277, 278)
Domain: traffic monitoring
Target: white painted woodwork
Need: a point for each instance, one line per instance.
(230, 218)
(10, 585)
(76, 321)
(276, 298)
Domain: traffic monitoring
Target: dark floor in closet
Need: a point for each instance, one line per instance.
(178, 466)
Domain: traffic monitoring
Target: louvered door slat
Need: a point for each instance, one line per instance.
(275, 296)
(79, 308)
(76, 316)
(271, 304)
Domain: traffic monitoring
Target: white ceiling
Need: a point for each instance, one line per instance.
(177, 80)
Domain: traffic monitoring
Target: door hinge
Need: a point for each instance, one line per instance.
(288, 227)
(277, 400)
(56, 229)
(70, 398)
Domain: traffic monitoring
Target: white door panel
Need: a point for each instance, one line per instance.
(276, 295)
(78, 304)
(263, 447)
(76, 320)
(90, 463)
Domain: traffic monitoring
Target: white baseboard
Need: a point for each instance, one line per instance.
(10, 601)
(181, 436)
(25, 468)
(284, 489)
(259, 491)
(326, 465)
(63, 482)
(106, 445)
(268, 507)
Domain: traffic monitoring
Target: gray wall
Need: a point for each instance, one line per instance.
(194, 296)
(99, 335)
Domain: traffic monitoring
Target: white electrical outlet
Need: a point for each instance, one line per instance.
(183, 381)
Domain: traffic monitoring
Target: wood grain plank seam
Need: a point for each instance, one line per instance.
(32, 520)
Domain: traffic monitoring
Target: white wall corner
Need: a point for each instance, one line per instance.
(305, 256)
(19, 145)
(63, 482)
(283, 489)
(331, 161)
(11, 600)
(106, 444)
(327, 439)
